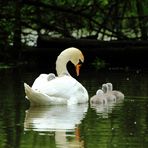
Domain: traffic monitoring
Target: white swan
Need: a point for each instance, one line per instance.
(63, 89)
(119, 95)
(109, 96)
(99, 98)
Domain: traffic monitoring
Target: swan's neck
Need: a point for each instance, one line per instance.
(105, 88)
(61, 63)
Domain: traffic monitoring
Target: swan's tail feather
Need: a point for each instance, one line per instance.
(36, 98)
(31, 95)
(27, 89)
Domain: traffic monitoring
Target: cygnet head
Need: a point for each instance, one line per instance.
(99, 98)
(110, 86)
(105, 88)
(99, 92)
(51, 76)
(109, 95)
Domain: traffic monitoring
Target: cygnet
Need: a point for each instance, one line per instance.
(109, 96)
(119, 95)
(51, 76)
(99, 98)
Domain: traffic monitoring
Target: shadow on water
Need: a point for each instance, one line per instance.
(11, 107)
(122, 124)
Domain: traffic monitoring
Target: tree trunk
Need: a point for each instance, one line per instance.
(17, 31)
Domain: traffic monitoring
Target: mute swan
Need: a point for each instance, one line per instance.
(63, 89)
(119, 95)
(109, 96)
(99, 98)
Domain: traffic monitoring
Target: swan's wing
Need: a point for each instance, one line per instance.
(41, 80)
(60, 86)
(39, 98)
(61, 90)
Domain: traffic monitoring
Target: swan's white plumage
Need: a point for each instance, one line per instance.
(63, 89)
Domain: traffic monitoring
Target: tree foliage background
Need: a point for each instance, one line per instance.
(22, 21)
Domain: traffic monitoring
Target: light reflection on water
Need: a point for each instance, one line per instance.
(54, 118)
(61, 120)
(121, 124)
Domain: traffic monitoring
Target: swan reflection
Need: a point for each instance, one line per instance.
(62, 120)
(52, 118)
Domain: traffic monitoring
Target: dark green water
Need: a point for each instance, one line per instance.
(119, 125)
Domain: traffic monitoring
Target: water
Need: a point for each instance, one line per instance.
(116, 125)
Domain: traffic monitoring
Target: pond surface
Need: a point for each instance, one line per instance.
(116, 125)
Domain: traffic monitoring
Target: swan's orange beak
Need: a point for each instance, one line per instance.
(78, 69)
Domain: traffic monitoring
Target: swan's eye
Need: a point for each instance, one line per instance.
(80, 62)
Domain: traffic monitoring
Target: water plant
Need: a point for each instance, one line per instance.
(98, 63)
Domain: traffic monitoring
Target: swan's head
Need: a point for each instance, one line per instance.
(76, 58)
(70, 54)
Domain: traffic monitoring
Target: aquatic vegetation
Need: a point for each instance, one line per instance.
(4, 66)
(98, 63)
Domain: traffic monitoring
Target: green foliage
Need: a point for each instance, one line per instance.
(104, 19)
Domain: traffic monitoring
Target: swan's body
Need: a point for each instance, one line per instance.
(63, 89)
(109, 96)
(99, 98)
(119, 95)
